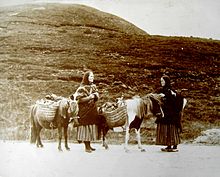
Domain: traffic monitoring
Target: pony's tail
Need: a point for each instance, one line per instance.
(33, 135)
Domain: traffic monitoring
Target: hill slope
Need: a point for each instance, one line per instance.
(45, 48)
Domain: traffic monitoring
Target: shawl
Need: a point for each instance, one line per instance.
(172, 107)
(88, 113)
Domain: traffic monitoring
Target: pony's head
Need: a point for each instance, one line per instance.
(153, 104)
(68, 107)
(73, 108)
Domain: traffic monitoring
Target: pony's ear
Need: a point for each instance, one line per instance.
(75, 95)
(63, 108)
(72, 97)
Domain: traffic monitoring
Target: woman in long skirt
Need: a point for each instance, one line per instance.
(87, 95)
(168, 127)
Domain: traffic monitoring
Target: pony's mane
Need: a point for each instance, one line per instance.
(155, 96)
(149, 101)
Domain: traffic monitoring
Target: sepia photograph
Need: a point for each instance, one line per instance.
(109, 88)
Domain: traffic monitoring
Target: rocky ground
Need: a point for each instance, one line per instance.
(210, 137)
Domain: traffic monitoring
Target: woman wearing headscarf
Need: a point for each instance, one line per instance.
(168, 126)
(87, 95)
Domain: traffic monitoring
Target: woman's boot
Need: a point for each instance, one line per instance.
(167, 149)
(87, 146)
(93, 149)
(174, 146)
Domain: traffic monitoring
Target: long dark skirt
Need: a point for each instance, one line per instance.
(87, 132)
(167, 134)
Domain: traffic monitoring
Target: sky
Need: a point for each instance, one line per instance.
(197, 18)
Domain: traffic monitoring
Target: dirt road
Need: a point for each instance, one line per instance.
(20, 159)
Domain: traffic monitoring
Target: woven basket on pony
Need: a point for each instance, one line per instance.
(47, 109)
(117, 117)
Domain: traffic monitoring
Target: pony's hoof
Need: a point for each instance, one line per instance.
(60, 149)
(67, 148)
(143, 150)
(88, 150)
(105, 145)
(126, 150)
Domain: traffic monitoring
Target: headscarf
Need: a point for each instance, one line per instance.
(86, 87)
(85, 80)
(167, 82)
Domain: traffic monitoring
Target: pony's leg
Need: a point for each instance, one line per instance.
(138, 135)
(104, 143)
(60, 138)
(39, 143)
(65, 137)
(126, 138)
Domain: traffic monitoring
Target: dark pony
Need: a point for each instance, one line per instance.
(67, 108)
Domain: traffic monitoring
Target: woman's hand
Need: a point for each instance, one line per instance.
(91, 97)
(96, 94)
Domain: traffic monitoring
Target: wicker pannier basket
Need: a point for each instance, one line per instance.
(47, 109)
(117, 117)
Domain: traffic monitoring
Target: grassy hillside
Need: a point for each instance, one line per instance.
(45, 48)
